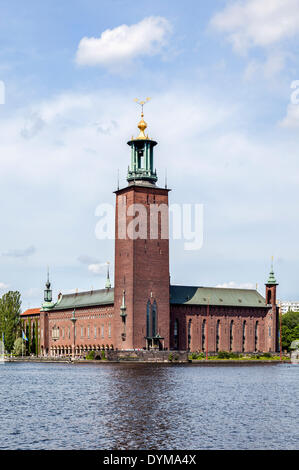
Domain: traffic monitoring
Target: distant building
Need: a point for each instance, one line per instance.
(143, 310)
(287, 305)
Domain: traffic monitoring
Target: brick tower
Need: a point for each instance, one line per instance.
(141, 284)
(272, 326)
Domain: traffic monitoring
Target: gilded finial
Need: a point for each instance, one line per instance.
(142, 125)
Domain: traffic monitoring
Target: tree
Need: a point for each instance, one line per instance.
(10, 309)
(289, 328)
(19, 347)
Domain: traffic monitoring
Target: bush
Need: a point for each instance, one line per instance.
(91, 355)
(223, 355)
(103, 355)
(267, 354)
(170, 357)
(196, 356)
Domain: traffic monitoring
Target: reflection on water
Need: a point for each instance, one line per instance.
(154, 406)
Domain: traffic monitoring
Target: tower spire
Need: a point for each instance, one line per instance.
(108, 283)
(47, 293)
(272, 279)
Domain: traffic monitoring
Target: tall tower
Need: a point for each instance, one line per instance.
(273, 316)
(141, 284)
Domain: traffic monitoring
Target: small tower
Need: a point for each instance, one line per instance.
(108, 283)
(271, 287)
(47, 304)
(272, 318)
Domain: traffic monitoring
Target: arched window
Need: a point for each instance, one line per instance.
(154, 319)
(217, 335)
(148, 321)
(189, 333)
(244, 336)
(203, 335)
(176, 334)
(269, 297)
(231, 335)
(256, 335)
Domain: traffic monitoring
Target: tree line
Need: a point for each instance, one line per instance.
(289, 329)
(12, 326)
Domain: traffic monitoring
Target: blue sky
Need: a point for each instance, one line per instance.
(219, 74)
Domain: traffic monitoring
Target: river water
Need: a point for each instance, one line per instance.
(154, 406)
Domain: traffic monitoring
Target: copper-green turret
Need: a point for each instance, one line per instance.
(272, 280)
(108, 282)
(47, 304)
(142, 169)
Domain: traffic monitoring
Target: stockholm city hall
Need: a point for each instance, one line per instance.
(143, 311)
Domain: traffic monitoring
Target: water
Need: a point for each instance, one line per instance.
(137, 406)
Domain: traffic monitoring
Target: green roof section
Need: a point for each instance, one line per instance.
(217, 296)
(181, 295)
(85, 299)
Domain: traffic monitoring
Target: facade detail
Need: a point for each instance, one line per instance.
(142, 310)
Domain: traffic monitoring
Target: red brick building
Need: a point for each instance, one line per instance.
(143, 311)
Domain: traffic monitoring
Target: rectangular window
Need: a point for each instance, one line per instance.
(81, 331)
(69, 333)
(102, 331)
(109, 330)
(270, 331)
(63, 332)
(95, 331)
(88, 331)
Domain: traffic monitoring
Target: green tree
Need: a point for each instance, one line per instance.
(289, 329)
(19, 347)
(10, 309)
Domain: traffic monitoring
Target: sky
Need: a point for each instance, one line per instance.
(223, 77)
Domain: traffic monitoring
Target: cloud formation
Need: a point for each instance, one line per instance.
(124, 43)
(262, 23)
(16, 253)
(3, 286)
(97, 268)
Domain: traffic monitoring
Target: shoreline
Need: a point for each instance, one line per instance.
(201, 362)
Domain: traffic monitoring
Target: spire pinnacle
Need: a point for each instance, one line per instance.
(272, 279)
(108, 283)
(142, 125)
(48, 283)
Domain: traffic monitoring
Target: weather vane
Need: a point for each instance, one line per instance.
(142, 103)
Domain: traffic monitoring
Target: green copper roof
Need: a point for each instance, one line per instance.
(272, 279)
(85, 299)
(188, 295)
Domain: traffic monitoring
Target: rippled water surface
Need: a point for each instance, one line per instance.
(137, 406)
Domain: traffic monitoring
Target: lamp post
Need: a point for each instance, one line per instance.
(73, 320)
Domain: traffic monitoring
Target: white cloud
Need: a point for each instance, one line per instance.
(291, 119)
(98, 268)
(3, 286)
(250, 23)
(124, 43)
(234, 285)
(272, 66)
(20, 253)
